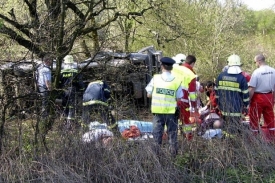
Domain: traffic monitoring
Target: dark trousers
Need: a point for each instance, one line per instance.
(68, 102)
(96, 110)
(44, 94)
(160, 120)
(234, 125)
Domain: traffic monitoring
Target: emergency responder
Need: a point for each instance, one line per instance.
(179, 59)
(232, 94)
(246, 75)
(43, 82)
(261, 90)
(165, 90)
(188, 76)
(95, 100)
(71, 82)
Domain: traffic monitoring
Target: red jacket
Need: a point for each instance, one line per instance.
(247, 76)
(212, 99)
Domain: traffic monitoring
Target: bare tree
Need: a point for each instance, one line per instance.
(53, 26)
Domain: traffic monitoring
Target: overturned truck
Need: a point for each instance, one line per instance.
(126, 73)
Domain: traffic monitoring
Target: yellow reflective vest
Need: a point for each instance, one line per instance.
(164, 95)
(186, 76)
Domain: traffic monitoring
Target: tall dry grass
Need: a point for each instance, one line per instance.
(237, 158)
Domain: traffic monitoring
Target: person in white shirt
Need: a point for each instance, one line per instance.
(261, 92)
(43, 82)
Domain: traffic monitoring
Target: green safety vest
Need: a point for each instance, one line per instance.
(186, 76)
(164, 95)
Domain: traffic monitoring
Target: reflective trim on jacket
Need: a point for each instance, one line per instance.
(91, 102)
(231, 114)
(231, 93)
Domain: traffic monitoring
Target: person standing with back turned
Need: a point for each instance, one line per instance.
(44, 86)
(188, 76)
(70, 81)
(232, 95)
(165, 90)
(261, 90)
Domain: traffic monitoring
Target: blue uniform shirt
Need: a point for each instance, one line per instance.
(232, 93)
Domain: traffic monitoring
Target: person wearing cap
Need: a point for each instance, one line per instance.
(71, 82)
(261, 90)
(188, 77)
(165, 90)
(232, 94)
(43, 82)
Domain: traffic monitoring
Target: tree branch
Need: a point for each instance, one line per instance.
(22, 28)
(32, 10)
(22, 41)
(73, 7)
(114, 18)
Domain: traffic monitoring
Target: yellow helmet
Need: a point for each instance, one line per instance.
(234, 60)
(69, 59)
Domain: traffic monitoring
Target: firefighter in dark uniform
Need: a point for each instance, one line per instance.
(232, 95)
(71, 82)
(95, 100)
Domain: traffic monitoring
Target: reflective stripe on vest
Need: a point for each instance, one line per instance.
(231, 114)
(91, 102)
(69, 70)
(184, 100)
(193, 96)
(188, 128)
(95, 82)
(164, 95)
(229, 88)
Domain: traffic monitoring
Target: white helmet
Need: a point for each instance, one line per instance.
(69, 59)
(234, 60)
(179, 58)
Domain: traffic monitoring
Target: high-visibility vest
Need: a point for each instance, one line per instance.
(186, 76)
(164, 95)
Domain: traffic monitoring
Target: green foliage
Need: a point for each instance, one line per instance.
(265, 21)
(208, 29)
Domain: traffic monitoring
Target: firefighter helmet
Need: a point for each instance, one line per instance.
(179, 58)
(69, 59)
(234, 60)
